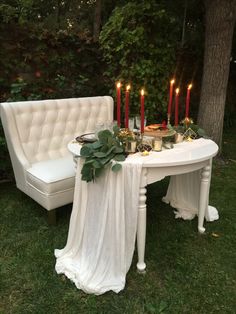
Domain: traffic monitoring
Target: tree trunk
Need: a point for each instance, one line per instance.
(220, 20)
(97, 20)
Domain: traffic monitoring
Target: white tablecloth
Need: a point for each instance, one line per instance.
(102, 230)
(183, 194)
(103, 222)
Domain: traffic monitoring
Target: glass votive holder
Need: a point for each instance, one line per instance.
(131, 123)
(138, 122)
(157, 144)
(148, 140)
(144, 149)
(179, 137)
(131, 146)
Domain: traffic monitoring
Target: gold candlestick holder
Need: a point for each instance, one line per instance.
(187, 121)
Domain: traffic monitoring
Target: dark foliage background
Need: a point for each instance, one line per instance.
(47, 51)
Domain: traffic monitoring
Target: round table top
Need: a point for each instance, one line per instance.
(182, 154)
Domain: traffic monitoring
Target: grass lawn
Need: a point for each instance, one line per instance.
(186, 272)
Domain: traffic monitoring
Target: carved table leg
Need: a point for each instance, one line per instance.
(141, 229)
(204, 193)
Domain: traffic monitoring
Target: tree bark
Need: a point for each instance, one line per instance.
(220, 21)
(97, 20)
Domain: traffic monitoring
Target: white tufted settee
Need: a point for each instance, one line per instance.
(37, 135)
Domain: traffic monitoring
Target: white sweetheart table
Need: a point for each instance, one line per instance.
(189, 165)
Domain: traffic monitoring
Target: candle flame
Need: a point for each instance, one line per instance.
(172, 82)
(118, 85)
(190, 86)
(177, 91)
(128, 87)
(142, 92)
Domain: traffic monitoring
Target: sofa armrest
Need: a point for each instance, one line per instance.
(18, 159)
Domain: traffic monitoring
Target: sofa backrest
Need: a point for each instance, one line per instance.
(42, 129)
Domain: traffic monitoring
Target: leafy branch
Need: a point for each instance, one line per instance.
(99, 155)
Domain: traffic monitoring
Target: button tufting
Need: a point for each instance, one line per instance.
(46, 127)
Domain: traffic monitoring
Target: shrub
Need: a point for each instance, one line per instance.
(137, 50)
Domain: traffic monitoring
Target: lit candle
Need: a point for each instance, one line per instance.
(176, 106)
(127, 106)
(118, 86)
(170, 96)
(188, 101)
(142, 112)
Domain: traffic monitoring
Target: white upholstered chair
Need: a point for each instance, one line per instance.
(37, 134)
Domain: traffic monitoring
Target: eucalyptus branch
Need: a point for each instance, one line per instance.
(99, 155)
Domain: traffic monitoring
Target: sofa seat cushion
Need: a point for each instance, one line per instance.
(52, 176)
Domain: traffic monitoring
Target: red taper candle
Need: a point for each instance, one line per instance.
(127, 106)
(170, 96)
(176, 106)
(118, 86)
(142, 112)
(188, 101)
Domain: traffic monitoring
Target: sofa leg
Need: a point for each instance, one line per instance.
(52, 218)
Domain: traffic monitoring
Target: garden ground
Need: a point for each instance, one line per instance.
(186, 272)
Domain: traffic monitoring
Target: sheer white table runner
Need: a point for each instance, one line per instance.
(102, 230)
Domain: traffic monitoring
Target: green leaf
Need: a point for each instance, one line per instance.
(104, 148)
(107, 159)
(96, 164)
(110, 150)
(201, 132)
(96, 145)
(118, 150)
(98, 172)
(119, 157)
(86, 169)
(87, 173)
(116, 129)
(99, 154)
(85, 151)
(104, 135)
(88, 161)
(116, 167)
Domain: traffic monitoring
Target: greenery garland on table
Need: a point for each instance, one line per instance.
(99, 155)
